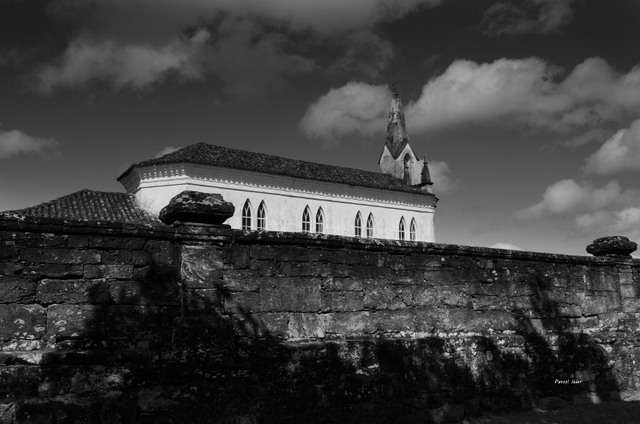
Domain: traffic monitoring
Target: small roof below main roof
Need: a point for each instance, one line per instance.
(90, 205)
(225, 157)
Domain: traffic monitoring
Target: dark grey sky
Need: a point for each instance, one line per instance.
(525, 109)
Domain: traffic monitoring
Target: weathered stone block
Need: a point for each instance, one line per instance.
(120, 272)
(275, 324)
(613, 246)
(135, 257)
(103, 242)
(21, 322)
(307, 326)
(283, 294)
(8, 252)
(15, 289)
(197, 207)
(350, 323)
(162, 252)
(76, 240)
(241, 280)
(380, 295)
(55, 270)
(150, 292)
(142, 326)
(480, 321)
(343, 284)
(394, 321)
(607, 302)
(201, 267)
(243, 302)
(602, 281)
(74, 321)
(342, 301)
(239, 256)
(62, 256)
(9, 268)
(19, 380)
(73, 291)
(428, 320)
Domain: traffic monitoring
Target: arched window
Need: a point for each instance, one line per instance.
(412, 230)
(358, 225)
(320, 221)
(262, 217)
(407, 168)
(306, 220)
(401, 229)
(246, 216)
(370, 226)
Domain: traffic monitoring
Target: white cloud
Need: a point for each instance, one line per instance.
(568, 197)
(14, 142)
(507, 246)
(441, 177)
(530, 16)
(356, 108)
(166, 151)
(508, 92)
(254, 44)
(625, 222)
(621, 152)
(136, 66)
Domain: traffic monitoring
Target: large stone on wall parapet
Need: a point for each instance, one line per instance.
(195, 207)
(613, 246)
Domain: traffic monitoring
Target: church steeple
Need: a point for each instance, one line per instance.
(398, 158)
(397, 136)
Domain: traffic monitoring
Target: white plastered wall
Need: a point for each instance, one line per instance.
(285, 199)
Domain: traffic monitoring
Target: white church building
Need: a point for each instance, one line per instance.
(273, 193)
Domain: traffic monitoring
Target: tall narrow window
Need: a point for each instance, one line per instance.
(306, 220)
(370, 226)
(320, 221)
(246, 216)
(358, 225)
(401, 229)
(412, 230)
(262, 217)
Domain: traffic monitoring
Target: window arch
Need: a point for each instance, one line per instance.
(306, 220)
(401, 229)
(320, 221)
(370, 226)
(261, 220)
(246, 215)
(357, 225)
(412, 230)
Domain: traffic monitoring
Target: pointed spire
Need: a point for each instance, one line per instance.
(397, 136)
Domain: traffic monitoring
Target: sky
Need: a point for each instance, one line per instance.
(528, 111)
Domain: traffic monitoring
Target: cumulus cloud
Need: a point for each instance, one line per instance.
(527, 17)
(356, 108)
(568, 197)
(506, 246)
(441, 177)
(621, 152)
(527, 92)
(624, 222)
(253, 45)
(136, 66)
(14, 142)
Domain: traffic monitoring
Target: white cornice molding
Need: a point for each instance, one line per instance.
(232, 176)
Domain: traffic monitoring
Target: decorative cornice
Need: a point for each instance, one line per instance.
(187, 170)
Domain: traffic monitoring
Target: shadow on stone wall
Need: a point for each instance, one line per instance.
(154, 352)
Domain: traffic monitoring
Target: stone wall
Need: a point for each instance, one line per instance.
(115, 323)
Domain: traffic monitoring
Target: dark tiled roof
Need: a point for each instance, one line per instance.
(89, 205)
(207, 154)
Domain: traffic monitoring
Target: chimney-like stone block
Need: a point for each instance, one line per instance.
(194, 207)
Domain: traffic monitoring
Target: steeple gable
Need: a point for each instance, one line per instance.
(398, 158)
